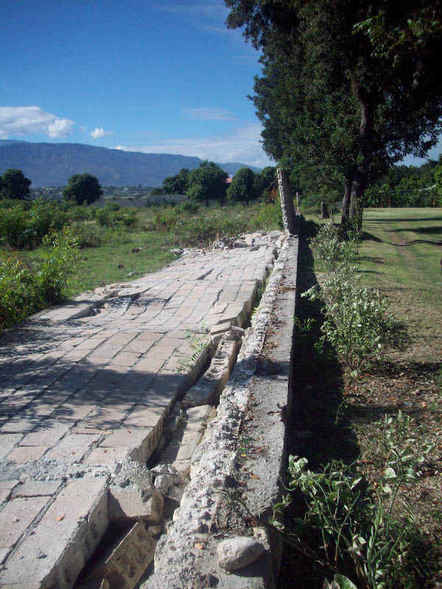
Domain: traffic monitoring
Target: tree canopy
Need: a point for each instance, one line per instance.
(14, 184)
(208, 182)
(83, 189)
(242, 187)
(177, 184)
(348, 88)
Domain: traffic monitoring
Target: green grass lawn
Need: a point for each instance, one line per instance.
(402, 247)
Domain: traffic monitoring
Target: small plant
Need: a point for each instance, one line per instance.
(269, 217)
(198, 344)
(165, 219)
(24, 291)
(356, 320)
(52, 276)
(87, 234)
(331, 250)
(18, 294)
(349, 525)
(188, 206)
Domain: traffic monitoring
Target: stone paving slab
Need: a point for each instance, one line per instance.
(86, 385)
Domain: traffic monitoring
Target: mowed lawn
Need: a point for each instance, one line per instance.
(403, 247)
(401, 254)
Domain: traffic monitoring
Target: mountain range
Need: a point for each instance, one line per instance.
(52, 164)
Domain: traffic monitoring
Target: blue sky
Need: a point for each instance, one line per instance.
(159, 76)
(143, 75)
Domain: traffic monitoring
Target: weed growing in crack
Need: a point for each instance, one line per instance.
(198, 344)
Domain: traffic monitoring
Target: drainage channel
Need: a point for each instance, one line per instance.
(143, 498)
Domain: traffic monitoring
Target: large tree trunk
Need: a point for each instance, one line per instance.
(346, 203)
(356, 208)
(286, 198)
(360, 177)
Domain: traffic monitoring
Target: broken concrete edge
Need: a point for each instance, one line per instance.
(186, 554)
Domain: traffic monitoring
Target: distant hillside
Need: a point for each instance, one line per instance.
(52, 164)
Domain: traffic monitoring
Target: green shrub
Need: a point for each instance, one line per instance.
(268, 217)
(331, 250)
(14, 227)
(45, 217)
(165, 219)
(23, 227)
(188, 206)
(78, 212)
(110, 217)
(7, 203)
(357, 322)
(128, 218)
(201, 231)
(105, 217)
(24, 291)
(88, 234)
(349, 524)
(52, 276)
(18, 293)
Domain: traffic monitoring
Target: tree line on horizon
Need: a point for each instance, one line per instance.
(399, 186)
(209, 182)
(81, 188)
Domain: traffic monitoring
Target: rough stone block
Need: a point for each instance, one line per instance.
(64, 539)
(6, 488)
(36, 489)
(145, 416)
(106, 456)
(16, 516)
(23, 454)
(7, 442)
(130, 503)
(46, 434)
(140, 441)
(72, 448)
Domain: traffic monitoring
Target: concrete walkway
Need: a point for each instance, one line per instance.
(89, 384)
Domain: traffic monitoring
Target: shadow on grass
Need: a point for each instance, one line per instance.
(365, 236)
(373, 259)
(431, 230)
(389, 220)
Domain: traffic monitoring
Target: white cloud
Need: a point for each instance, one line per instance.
(209, 114)
(29, 120)
(241, 146)
(99, 132)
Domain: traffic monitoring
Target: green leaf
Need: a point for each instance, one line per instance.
(344, 582)
(389, 473)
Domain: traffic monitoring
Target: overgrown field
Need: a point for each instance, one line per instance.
(50, 251)
(365, 473)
